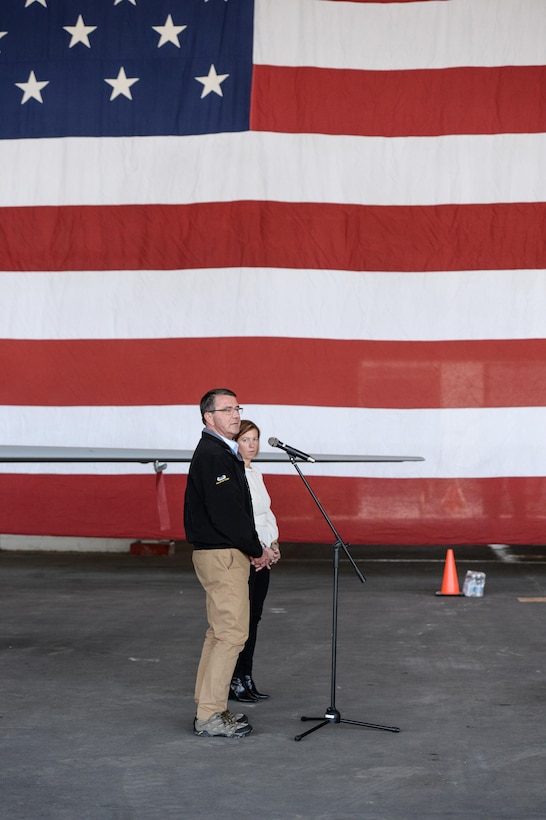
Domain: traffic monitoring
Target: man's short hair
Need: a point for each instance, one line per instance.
(208, 402)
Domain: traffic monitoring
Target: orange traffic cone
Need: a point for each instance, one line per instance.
(450, 583)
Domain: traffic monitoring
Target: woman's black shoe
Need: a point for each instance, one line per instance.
(251, 688)
(238, 691)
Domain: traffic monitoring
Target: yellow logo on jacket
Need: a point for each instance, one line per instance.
(221, 478)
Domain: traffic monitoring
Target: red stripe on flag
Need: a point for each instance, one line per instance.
(399, 103)
(246, 234)
(365, 510)
(353, 373)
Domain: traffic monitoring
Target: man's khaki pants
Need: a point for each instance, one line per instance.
(223, 574)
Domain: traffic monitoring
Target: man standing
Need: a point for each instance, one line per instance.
(219, 523)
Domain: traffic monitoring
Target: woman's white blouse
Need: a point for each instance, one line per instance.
(265, 521)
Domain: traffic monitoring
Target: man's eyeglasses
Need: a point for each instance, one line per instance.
(230, 410)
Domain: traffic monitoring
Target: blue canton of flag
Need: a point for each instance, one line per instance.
(124, 67)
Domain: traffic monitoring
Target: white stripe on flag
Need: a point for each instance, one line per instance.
(469, 169)
(379, 37)
(456, 443)
(337, 304)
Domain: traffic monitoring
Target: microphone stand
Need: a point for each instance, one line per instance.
(332, 714)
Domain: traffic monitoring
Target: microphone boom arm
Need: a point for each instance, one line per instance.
(339, 540)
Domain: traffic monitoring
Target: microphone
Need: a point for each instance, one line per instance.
(274, 442)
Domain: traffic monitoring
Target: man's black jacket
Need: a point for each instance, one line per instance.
(217, 505)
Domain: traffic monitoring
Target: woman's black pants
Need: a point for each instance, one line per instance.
(258, 584)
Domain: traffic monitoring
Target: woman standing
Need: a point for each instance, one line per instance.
(242, 686)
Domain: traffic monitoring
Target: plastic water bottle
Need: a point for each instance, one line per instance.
(479, 584)
(474, 584)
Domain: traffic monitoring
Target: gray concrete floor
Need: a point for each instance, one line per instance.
(98, 656)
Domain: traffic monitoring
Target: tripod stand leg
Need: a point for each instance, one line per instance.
(314, 729)
(371, 725)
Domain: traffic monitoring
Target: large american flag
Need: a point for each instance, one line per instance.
(335, 208)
